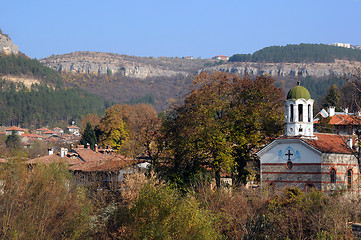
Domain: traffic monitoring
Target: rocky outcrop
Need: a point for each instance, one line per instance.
(287, 69)
(102, 63)
(7, 46)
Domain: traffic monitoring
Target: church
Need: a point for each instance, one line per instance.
(304, 159)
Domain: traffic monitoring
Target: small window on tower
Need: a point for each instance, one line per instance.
(309, 112)
(300, 112)
(291, 113)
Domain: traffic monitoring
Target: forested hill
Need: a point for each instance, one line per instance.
(44, 102)
(302, 53)
(20, 65)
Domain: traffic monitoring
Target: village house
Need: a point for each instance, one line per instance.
(304, 159)
(221, 57)
(87, 165)
(343, 123)
(17, 130)
(73, 130)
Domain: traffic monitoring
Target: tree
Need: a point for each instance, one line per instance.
(222, 121)
(333, 97)
(112, 128)
(13, 141)
(88, 136)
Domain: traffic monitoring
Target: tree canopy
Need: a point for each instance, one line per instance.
(299, 53)
(222, 121)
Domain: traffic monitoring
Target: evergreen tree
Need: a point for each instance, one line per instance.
(88, 136)
(13, 141)
(333, 98)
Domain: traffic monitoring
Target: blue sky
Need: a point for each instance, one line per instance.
(199, 28)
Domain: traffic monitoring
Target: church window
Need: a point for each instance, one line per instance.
(309, 112)
(333, 175)
(291, 112)
(300, 112)
(349, 179)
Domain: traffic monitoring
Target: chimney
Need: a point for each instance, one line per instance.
(331, 111)
(96, 148)
(50, 151)
(88, 146)
(349, 143)
(345, 110)
(62, 152)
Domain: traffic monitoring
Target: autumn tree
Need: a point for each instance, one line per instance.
(112, 128)
(222, 121)
(130, 129)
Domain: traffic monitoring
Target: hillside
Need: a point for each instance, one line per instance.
(300, 53)
(33, 95)
(162, 81)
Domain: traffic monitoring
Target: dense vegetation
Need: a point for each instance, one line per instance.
(302, 53)
(20, 64)
(158, 91)
(42, 105)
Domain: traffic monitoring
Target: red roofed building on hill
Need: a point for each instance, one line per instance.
(303, 159)
(17, 130)
(343, 123)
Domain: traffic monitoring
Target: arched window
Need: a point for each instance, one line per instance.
(333, 175)
(349, 179)
(291, 113)
(309, 112)
(300, 112)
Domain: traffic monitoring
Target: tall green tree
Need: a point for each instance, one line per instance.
(89, 136)
(222, 121)
(13, 141)
(333, 97)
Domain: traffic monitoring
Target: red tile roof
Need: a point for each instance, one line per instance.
(54, 158)
(15, 129)
(42, 129)
(343, 119)
(327, 143)
(73, 127)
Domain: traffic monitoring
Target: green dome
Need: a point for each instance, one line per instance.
(298, 92)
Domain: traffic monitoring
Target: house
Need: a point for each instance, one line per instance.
(17, 130)
(221, 57)
(41, 131)
(343, 123)
(87, 165)
(58, 131)
(73, 130)
(304, 159)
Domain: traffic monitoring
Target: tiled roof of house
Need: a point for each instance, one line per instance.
(15, 129)
(50, 132)
(53, 159)
(344, 119)
(105, 166)
(73, 127)
(42, 129)
(28, 135)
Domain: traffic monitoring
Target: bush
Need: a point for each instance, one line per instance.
(41, 203)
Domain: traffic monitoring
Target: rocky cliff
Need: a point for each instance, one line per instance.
(318, 70)
(7, 46)
(102, 63)
(143, 67)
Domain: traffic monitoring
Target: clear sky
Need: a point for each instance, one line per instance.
(199, 28)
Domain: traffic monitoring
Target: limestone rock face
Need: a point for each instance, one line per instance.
(7, 46)
(102, 63)
(287, 69)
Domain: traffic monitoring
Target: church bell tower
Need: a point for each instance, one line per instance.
(299, 112)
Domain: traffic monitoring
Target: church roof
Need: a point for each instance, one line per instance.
(298, 92)
(326, 143)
